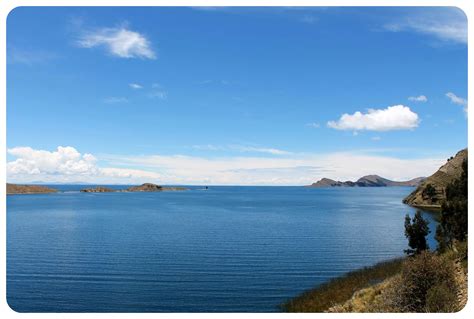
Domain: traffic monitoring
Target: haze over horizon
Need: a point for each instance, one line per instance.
(233, 96)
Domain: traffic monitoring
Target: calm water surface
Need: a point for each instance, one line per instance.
(227, 249)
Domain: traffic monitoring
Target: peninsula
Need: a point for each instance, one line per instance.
(367, 181)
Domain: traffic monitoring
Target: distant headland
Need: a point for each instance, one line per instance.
(367, 181)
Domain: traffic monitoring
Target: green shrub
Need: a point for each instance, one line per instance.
(423, 277)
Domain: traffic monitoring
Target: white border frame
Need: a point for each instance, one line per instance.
(6, 6)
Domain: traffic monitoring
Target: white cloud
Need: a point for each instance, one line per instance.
(135, 86)
(66, 164)
(119, 42)
(115, 100)
(446, 24)
(420, 98)
(457, 100)
(376, 138)
(397, 117)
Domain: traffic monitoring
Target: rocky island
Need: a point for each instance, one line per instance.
(367, 181)
(146, 187)
(98, 189)
(28, 189)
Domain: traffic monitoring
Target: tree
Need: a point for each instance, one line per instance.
(429, 191)
(453, 221)
(416, 231)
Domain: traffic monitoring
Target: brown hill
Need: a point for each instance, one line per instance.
(147, 187)
(431, 191)
(28, 189)
(366, 181)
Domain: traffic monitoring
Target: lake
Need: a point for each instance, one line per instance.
(225, 249)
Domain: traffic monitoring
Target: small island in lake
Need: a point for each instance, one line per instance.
(29, 189)
(146, 187)
(98, 189)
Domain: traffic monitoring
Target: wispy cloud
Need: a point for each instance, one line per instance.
(420, 98)
(115, 100)
(241, 149)
(445, 24)
(135, 86)
(119, 42)
(314, 125)
(457, 100)
(28, 57)
(272, 151)
(397, 117)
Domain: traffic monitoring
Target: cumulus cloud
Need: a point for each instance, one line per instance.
(119, 42)
(445, 24)
(135, 86)
(397, 117)
(66, 164)
(420, 98)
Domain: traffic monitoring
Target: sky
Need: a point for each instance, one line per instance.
(233, 96)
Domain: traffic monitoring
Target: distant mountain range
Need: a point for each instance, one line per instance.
(367, 181)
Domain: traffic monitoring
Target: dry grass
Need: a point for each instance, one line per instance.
(339, 290)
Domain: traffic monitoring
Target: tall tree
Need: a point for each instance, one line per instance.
(453, 221)
(416, 231)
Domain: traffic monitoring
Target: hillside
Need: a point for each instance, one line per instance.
(431, 192)
(367, 181)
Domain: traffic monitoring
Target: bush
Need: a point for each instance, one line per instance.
(426, 279)
(441, 298)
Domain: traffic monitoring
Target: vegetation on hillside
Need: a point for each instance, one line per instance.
(425, 281)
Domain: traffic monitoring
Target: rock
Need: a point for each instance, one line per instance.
(422, 197)
(97, 189)
(29, 189)
(147, 187)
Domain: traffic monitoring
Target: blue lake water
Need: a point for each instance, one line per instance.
(226, 249)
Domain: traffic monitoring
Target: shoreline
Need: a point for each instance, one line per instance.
(340, 289)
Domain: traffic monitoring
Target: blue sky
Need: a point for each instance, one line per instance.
(266, 96)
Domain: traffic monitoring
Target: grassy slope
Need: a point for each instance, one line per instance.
(341, 289)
